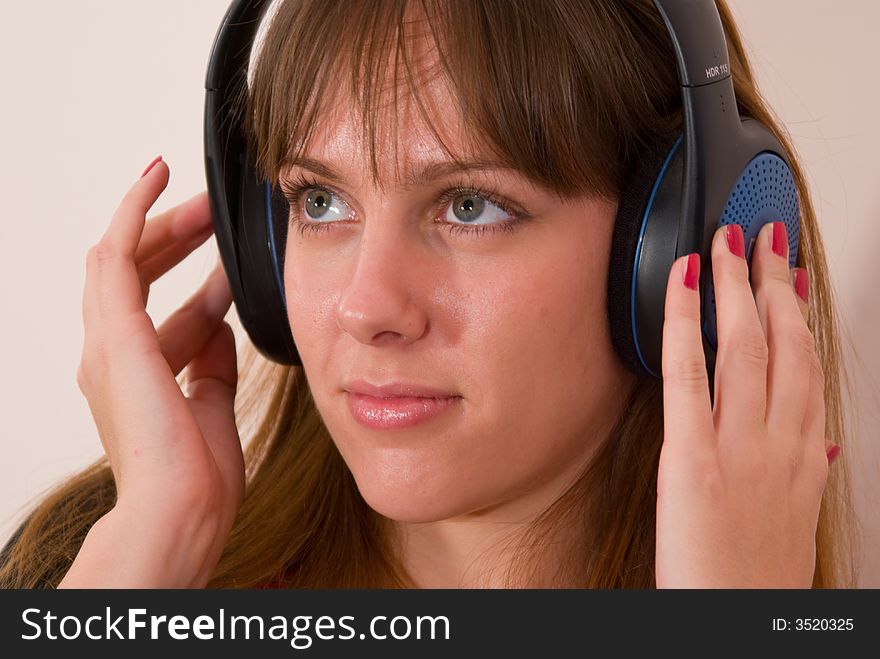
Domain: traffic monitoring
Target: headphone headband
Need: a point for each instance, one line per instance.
(698, 38)
(231, 51)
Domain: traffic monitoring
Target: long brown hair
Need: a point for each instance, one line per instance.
(570, 94)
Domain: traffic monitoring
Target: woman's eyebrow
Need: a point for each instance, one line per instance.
(425, 173)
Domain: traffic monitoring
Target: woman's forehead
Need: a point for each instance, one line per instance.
(407, 142)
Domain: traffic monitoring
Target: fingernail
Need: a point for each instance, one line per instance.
(832, 453)
(692, 271)
(151, 165)
(801, 283)
(779, 239)
(735, 240)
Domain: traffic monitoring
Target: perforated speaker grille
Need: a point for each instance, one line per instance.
(765, 192)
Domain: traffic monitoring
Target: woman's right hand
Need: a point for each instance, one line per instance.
(176, 459)
(741, 477)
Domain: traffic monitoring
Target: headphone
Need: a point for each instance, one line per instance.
(722, 169)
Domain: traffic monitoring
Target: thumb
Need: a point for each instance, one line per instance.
(212, 375)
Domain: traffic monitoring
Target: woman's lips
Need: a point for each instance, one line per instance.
(396, 412)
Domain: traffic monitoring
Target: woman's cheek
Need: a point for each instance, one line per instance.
(309, 288)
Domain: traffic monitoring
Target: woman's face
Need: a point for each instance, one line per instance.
(411, 282)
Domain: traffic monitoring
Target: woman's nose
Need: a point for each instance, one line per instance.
(382, 304)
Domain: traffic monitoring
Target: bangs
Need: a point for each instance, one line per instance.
(553, 89)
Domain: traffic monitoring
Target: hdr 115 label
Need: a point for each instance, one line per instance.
(812, 624)
(717, 70)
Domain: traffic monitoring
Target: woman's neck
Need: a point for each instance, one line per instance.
(479, 549)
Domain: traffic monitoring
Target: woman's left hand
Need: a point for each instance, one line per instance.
(740, 486)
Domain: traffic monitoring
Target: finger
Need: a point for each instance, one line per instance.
(113, 285)
(814, 419)
(162, 262)
(181, 224)
(188, 329)
(741, 364)
(127, 223)
(212, 379)
(790, 343)
(212, 375)
(813, 426)
(832, 450)
(800, 281)
(686, 403)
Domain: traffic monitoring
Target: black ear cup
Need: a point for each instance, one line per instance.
(250, 221)
(643, 240)
(645, 237)
(260, 229)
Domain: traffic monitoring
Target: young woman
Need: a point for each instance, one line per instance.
(453, 171)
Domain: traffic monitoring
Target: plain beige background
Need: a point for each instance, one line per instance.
(94, 89)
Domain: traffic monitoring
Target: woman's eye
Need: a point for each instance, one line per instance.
(322, 205)
(468, 211)
(474, 209)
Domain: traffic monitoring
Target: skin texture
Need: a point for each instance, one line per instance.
(513, 323)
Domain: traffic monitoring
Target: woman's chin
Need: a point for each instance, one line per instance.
(409, 502)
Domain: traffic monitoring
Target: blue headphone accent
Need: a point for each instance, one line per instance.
(638, 255)
(272, 237)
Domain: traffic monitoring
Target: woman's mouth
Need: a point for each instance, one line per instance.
(397, 412)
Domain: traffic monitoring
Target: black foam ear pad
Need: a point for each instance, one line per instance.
(255, 219)
(279, 222)
(633, 204)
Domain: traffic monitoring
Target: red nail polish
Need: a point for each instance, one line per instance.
(832, 453)
(151, 165)
(692, 271)
(735, 240)
(780, 239)
(801, 283)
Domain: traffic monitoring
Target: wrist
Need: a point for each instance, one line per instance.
(139, 547)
